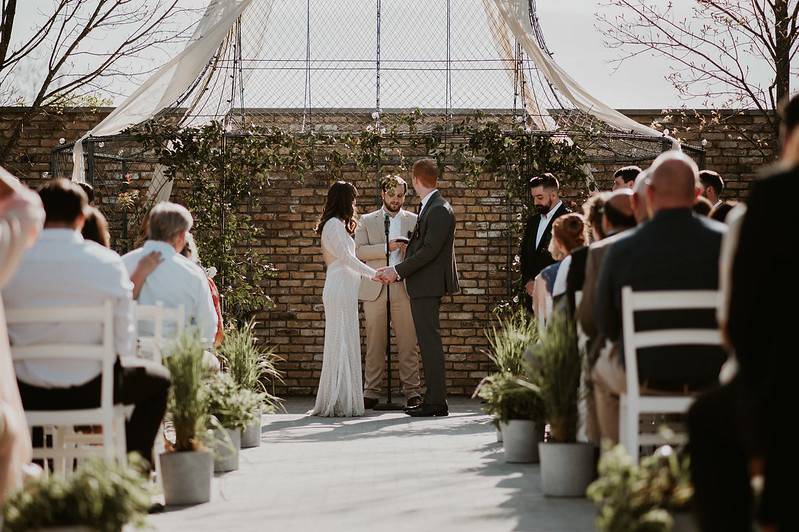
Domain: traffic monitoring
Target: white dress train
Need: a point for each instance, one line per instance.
(340, 385)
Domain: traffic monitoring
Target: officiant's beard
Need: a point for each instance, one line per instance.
(390, 208)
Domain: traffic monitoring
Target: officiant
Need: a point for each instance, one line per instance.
(371, 247)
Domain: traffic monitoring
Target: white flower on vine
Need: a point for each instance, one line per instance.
(370, 128)
(211, 272)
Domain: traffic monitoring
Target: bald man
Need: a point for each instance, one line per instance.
(675, 250)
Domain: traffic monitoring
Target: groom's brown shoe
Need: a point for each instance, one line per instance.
(370, 402)
(428, 411)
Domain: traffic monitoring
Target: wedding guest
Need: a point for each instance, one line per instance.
(89, 190)
(625, 177)
(95, 229)
(712, 186)
(639, 198)
(675, 250)
(744, 428)
(568, 233)
(617, 219)
(571, 274)
(191, 253)
(371, 247)
(175, 281)
(21, 219)
(721, 210)
(702, 206)
(534, 254)
(62, 269)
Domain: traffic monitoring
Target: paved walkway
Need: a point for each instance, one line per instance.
(384, 471)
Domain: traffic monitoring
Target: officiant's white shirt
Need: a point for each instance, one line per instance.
(394, 231)
(63, 269)
(176, 281)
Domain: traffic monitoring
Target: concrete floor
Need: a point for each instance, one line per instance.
(384, 471)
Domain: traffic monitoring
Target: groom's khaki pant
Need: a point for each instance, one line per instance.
(405, 334)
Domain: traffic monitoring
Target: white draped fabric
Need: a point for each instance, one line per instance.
(516, 14)
(171, 80)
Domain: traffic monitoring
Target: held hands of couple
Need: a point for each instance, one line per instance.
(385, 275)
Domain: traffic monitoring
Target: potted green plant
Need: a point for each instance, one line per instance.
(187, 467)
(250, 367)
(567, 467)
(234, 408)
(520, 413)
(508, 340)
(653, 496)
(99, 496)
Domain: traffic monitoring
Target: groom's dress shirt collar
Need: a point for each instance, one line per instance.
(427, 198)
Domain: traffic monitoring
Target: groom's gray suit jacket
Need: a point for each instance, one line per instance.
(429, 268)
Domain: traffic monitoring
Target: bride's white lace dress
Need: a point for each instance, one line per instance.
(340, 385)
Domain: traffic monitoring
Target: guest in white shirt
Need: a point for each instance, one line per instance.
(176, 281)
(62, 269)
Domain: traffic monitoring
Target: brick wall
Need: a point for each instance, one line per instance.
(288, 212)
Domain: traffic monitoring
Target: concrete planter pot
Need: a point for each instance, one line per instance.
(186, 477)
(566, 468)
(226, 453)
(251, 435)
(684, 522)
(520, 439)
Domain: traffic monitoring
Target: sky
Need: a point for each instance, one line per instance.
(568, 26)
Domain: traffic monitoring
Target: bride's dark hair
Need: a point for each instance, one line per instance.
(340, 196)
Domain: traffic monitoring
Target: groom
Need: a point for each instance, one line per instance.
(429, 272)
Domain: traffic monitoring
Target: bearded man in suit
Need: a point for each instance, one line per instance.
(371, 247)
(534, 254)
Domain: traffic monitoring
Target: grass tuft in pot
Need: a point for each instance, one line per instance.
(644, 497)
(509, 338)
(507, 398)
(557, 366)
(188, 397)
(99, 495)
(232, 406)
(250, 366)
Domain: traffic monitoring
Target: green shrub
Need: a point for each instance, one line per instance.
(640, 498)
(99, 495)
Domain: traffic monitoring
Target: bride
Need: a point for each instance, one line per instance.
(340, 387)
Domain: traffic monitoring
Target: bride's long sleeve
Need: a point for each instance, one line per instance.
(338, 242)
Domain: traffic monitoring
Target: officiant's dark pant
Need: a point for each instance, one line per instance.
(142, 383)
(425, 317)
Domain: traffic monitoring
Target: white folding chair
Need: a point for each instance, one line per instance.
(152, 346)
(62, 422)
(633, 404)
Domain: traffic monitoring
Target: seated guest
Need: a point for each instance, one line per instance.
(572, 272)
(568, 233)
(21, 218)
(702, 206)
(617, 218)
(534, 253)
(712, 185)
(625, 177)
(744, 427)
(191, 253)
(62, 269)
(95, 229)
(176, 281)
(721, 210)
(675, 250)
(639, 200)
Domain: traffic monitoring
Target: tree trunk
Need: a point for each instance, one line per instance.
(782, 49)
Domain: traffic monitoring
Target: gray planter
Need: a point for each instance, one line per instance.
(566, 468)
(251, 435)
(520, 439)
(186, 477)
(226, 452)
(684, 522)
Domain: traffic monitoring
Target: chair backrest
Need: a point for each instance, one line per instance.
(104, 352)
(632, 302)
(157, 315)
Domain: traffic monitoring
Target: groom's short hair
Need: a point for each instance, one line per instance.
(426, 171)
